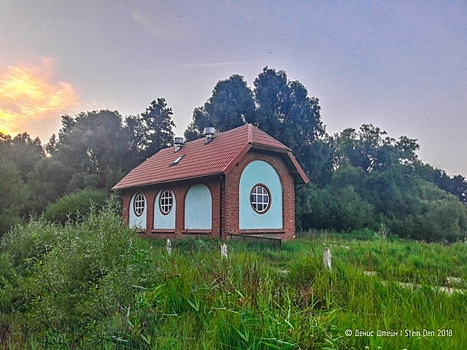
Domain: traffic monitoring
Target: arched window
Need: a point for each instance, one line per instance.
(198, 208)
(138, 204)
(260, 197)
(166, 202)
(138, 212)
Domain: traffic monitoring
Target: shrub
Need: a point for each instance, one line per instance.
(71, 277)
(340, 209)
(75, 205)
(13, 195)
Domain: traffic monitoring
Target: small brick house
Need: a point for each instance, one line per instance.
(239, 181)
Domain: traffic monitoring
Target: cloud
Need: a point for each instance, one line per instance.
(30, 92)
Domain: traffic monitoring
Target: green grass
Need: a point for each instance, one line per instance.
(96, 285)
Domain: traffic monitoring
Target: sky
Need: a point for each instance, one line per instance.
(400, 65)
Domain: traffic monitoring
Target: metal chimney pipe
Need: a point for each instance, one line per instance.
(178, 141)
(209, 132)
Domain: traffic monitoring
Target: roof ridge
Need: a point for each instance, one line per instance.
(201, 159)
(270, 137)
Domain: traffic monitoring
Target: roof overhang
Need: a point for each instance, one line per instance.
(298, 174)
(124, 188)
(294, 168)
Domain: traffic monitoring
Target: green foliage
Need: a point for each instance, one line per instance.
(93, 151)
(230, 105)
(435, 216)
(379, 180)
(340, 209)
(47, 183)
(278, 106)
(457, 185)
(370, 149)
(94, 145)
(152, 130)
(23, 151)
(13, 195)
(96, 285)
(76, 205)
(18, 158)
(69, 278)
(360, 178)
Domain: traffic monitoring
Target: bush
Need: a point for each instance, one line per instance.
(13, 195)
(433, 216)
(77, 276)
(340, 209)
(76, 205)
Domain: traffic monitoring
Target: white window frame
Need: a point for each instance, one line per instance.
(260, 198)
(139, 204)
(176, 161)
(166, 200)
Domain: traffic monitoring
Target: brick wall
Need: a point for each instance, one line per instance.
(179, 189)
(229, 205)
(231, 199)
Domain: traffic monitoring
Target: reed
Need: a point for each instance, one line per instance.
(96, 285)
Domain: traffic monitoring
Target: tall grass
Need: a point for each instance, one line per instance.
(96, 285)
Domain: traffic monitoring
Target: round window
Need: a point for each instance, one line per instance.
(138, 204)
(260, 199)
(166, 202)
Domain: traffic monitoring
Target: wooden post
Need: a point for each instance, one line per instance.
(224, 250)
(327, 258)
(168, 246)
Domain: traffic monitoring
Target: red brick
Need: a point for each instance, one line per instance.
(222, 180)
(228, 212)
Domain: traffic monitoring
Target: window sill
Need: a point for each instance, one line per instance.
(197, 232)
(262, 231)
(163, 231)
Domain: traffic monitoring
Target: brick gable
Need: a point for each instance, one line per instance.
(219, 165)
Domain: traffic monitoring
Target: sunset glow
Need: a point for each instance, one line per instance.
(28, 93)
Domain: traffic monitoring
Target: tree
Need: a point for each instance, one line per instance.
(22, 150)
(94, 145)
(13, 195)
(287, 113)
(152, 130)
(199, 121)
(434, 215)
(340, 209)
(457, 185)
(370, 149)
(387, 174)
(230, 105)
(380, 167)
(48, 182)
(280, 107)
(21, 154)
(459, 188)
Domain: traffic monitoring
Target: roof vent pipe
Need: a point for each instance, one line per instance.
(178, 141)
(209, 132)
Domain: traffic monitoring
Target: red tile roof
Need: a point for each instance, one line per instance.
(201, 159)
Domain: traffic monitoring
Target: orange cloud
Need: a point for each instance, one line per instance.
(29, 93)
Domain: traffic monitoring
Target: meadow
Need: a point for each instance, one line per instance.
(97, 285)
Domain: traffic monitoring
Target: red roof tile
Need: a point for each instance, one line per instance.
(201, 159)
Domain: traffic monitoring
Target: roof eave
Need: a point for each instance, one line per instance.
(298, 173)
(302, 176)
(237, 158)
(118, 188)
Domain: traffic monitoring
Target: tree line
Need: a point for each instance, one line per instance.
(359, 178)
